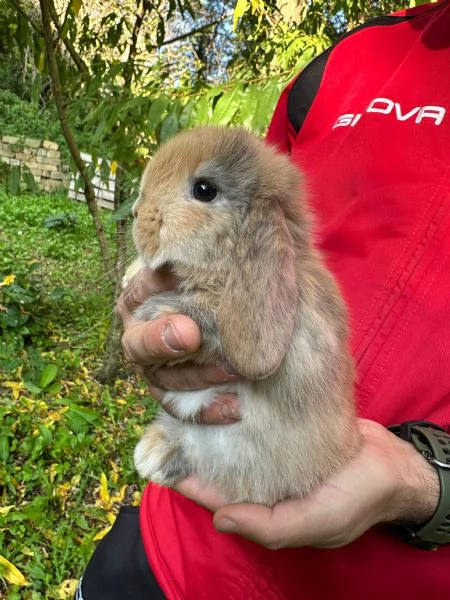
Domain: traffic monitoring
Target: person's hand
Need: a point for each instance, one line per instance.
(146, 343)
(387, 481)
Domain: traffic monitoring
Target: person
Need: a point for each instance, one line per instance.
(368, 123)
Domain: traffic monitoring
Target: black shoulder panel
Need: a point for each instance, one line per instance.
(305, 88)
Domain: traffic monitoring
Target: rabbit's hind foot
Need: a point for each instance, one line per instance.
(159, 459)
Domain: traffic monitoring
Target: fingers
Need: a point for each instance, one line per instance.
(223, 411)
(269, 527)
(147, 342)
(191, 377)
(205, 495)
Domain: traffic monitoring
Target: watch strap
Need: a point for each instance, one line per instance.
(433, 443)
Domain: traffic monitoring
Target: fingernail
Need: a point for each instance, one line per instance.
(228, 406)
(227, 526)
(172, 338)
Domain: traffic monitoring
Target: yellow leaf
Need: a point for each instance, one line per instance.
(12, 573)
(105, 498)
(114, 166)
(241, 7)
(101, 534)
(111, 518)
(52, 471)
(121, 495)
(55, 416)
(9, 279)
(27, 551)
(75, 6)
(67, 589)
(4, 510)
(15, 387)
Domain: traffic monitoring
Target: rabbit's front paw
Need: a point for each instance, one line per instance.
(158, 459)
(158, 306)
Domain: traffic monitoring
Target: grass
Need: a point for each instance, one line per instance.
(66, 441)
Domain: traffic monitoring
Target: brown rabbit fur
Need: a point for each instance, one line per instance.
(266, 305)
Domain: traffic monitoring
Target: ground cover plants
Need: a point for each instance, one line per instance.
(66, 440)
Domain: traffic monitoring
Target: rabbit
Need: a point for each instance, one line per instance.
(227, 213)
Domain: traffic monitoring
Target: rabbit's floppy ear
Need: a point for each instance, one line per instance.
(258, 307)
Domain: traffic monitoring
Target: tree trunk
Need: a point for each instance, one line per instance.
(89, 191)
(113, 352)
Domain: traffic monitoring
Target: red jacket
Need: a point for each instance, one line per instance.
(369, 123)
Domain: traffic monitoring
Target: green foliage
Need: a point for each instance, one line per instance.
(26, 119)
(59, 428)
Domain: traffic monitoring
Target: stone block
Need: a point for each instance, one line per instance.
(57, 175)
(48, 145)
(22, 156)
(32, 143)
(6, 151)
(54, 155)
(12, 162)
(9, 139)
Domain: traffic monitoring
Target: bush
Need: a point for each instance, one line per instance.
(21, 118)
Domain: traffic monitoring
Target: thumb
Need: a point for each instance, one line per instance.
(253, 521)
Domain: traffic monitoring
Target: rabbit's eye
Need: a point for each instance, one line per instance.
(204, 191)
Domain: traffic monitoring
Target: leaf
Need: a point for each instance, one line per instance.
(79, 417)
(4, 452)
(123, 212)
(75, 6)
(67, 589)
(48, 375)
(33, 389)
(4, 510)
(11, 573)
(240, 9)
(169, 127)
(15, 387)
(103, 489)
(101, 534)
(226, 107)
(160, 32)
(156, 111)
(41, 62)
(13, 180)
(29, 180)
(9, 279)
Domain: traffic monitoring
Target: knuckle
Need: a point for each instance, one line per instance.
(127, 347)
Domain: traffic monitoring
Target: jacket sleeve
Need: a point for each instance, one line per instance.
(281, 133)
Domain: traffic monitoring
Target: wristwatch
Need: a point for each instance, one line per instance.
(433, 443)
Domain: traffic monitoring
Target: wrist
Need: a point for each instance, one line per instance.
(418, 488)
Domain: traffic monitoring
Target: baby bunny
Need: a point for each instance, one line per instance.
(227, 213)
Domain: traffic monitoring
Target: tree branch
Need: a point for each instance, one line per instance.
(183, 36)
(128, 70)
(26, 16)
(78, 61)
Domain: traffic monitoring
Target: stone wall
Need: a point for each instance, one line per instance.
(41, 157)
